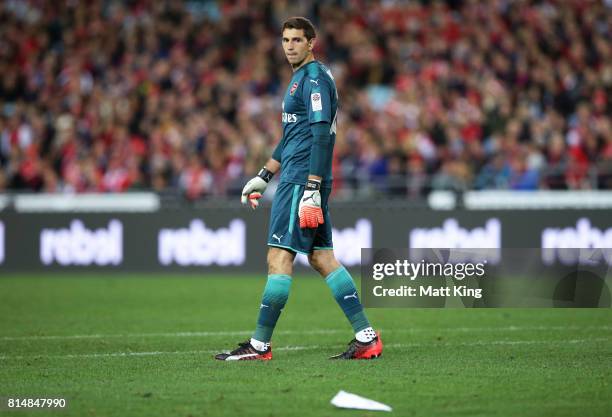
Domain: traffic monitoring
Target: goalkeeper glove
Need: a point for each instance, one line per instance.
(254, 189)
(310, 212)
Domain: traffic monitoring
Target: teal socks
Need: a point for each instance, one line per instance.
(274, 299)
(343, 289)
(276, 293)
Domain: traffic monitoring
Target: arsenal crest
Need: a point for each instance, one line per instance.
(293, 88)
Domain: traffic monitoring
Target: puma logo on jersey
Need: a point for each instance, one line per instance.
(315, 81)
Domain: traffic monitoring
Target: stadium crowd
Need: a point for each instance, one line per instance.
(120, 95)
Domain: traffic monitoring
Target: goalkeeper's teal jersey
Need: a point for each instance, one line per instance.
(311, 97)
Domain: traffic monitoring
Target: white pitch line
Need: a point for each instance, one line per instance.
(153, 353)
(177, 334)
(305, 332)
(310, 347)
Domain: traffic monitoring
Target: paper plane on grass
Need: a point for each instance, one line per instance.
(345, 399)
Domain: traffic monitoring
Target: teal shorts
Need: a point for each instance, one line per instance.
(285, 232)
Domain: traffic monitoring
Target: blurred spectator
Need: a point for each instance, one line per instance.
(110, 96)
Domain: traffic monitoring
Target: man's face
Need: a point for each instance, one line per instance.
(296, 46)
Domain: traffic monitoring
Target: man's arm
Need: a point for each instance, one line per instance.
(278, 153)
(310, 212)
(273, 165)
(317, 98)
(320, 150)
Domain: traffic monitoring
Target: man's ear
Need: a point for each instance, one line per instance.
(311, 44)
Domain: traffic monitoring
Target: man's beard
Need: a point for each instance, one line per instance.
(297, 64)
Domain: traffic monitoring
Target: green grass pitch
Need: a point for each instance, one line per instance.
(128, 345)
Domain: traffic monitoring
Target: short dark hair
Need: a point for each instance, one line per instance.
(299, 22)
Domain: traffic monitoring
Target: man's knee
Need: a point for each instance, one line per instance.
(314, 262)
(323, 261)
(280, 261)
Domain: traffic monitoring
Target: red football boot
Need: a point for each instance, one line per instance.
(358, 350)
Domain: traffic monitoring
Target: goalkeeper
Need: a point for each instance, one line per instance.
(300, 220)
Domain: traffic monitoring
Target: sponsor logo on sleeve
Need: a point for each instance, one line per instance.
(315, 101)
